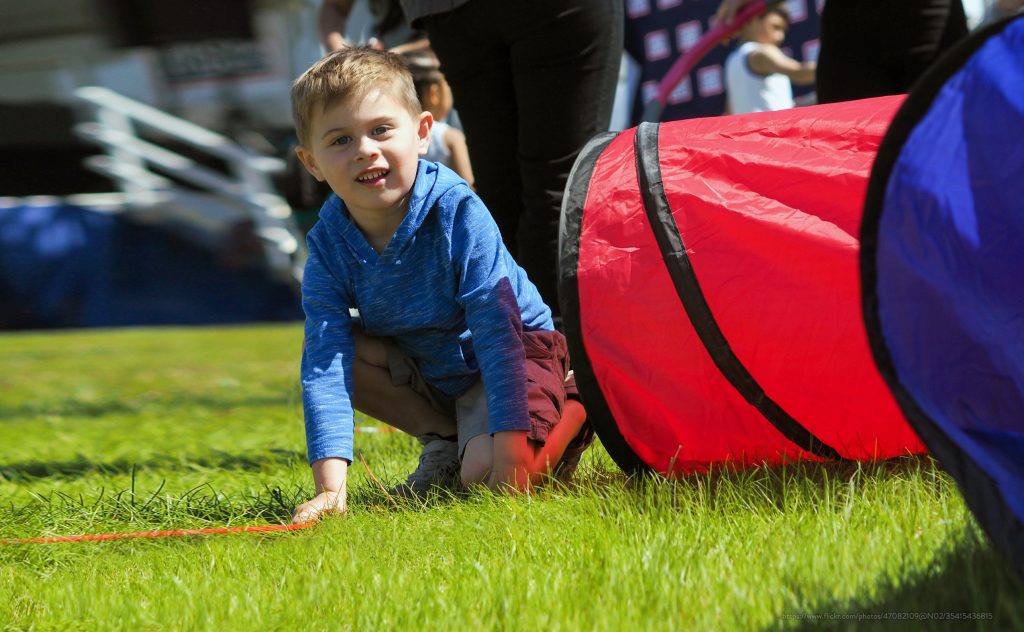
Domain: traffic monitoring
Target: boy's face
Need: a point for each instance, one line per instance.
(769, 29)
(367, 151)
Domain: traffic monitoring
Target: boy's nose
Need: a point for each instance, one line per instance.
(367, 149)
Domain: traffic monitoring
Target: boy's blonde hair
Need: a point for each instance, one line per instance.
(346, 74)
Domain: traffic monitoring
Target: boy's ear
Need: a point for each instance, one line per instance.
(423, 133)
(309, 162)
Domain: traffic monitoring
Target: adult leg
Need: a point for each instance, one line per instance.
(955, 28)
(944, 24)
(475, 62)
(533, 80)
(565, 58)
(919, 31)
(850, 36)
(872, 48)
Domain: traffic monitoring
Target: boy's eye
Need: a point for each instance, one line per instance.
(380, 130)
(341, 140)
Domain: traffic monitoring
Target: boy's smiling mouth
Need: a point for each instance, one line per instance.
(372, 176)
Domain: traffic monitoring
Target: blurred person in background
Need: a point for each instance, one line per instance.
(1005, 8)
(447, 144)
(389, 29)
(873, 48)
(982, 12)
(759, 77)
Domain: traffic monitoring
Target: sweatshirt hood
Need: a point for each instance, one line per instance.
(433, 181)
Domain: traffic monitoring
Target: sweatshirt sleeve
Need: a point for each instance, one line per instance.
(328, 350)
(487, 296)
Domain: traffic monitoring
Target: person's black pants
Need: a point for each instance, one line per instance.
(873, 48)
(533, 81)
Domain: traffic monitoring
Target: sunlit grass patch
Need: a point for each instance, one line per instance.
(150, 429)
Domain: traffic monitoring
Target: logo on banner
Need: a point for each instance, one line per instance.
(638, 8)
(682, 93)
(797, 10)
(687, 35)
(709, 81)
(810, 50)
(657, 45)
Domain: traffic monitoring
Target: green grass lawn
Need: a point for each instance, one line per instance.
(146, 429)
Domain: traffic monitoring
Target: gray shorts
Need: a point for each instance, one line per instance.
(549, 384)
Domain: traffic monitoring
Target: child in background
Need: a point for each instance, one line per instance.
(447, 144)
(415, 312)
(758, 75)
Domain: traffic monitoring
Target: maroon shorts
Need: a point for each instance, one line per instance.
(549, 384)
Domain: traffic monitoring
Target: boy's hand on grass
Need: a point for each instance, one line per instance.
(331, 479)
(322, 503)
(512, 458)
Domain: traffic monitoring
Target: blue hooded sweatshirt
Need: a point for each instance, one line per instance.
(445, 290)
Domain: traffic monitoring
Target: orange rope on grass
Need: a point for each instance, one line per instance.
(93, 537)
(173, 533)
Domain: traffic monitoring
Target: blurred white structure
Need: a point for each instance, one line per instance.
(151, 178)
(169, 91)
(49, 48)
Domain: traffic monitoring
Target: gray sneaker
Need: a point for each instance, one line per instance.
(439, 467)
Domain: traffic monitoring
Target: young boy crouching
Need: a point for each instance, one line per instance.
(416, 313)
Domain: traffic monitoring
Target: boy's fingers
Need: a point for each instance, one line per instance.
(317, 507)
(509, 479)
(495, 482)
(306, 512)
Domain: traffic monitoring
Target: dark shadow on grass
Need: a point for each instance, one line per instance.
(773, 483)
(375, 499)
(820, 473)
(165, 402)
(971, 588)
(375, 492)
(81, 466)
(211, 459)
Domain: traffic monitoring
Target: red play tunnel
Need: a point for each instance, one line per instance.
(710, 287)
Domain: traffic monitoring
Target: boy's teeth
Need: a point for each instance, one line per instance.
(372, 175)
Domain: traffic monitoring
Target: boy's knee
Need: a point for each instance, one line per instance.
(369, 381)
(477, 459)
(474, 470)
(371, 350)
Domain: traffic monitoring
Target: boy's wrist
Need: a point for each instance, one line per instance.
(330, 474)
(511, 446)
(509, 435)
(512, 456)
